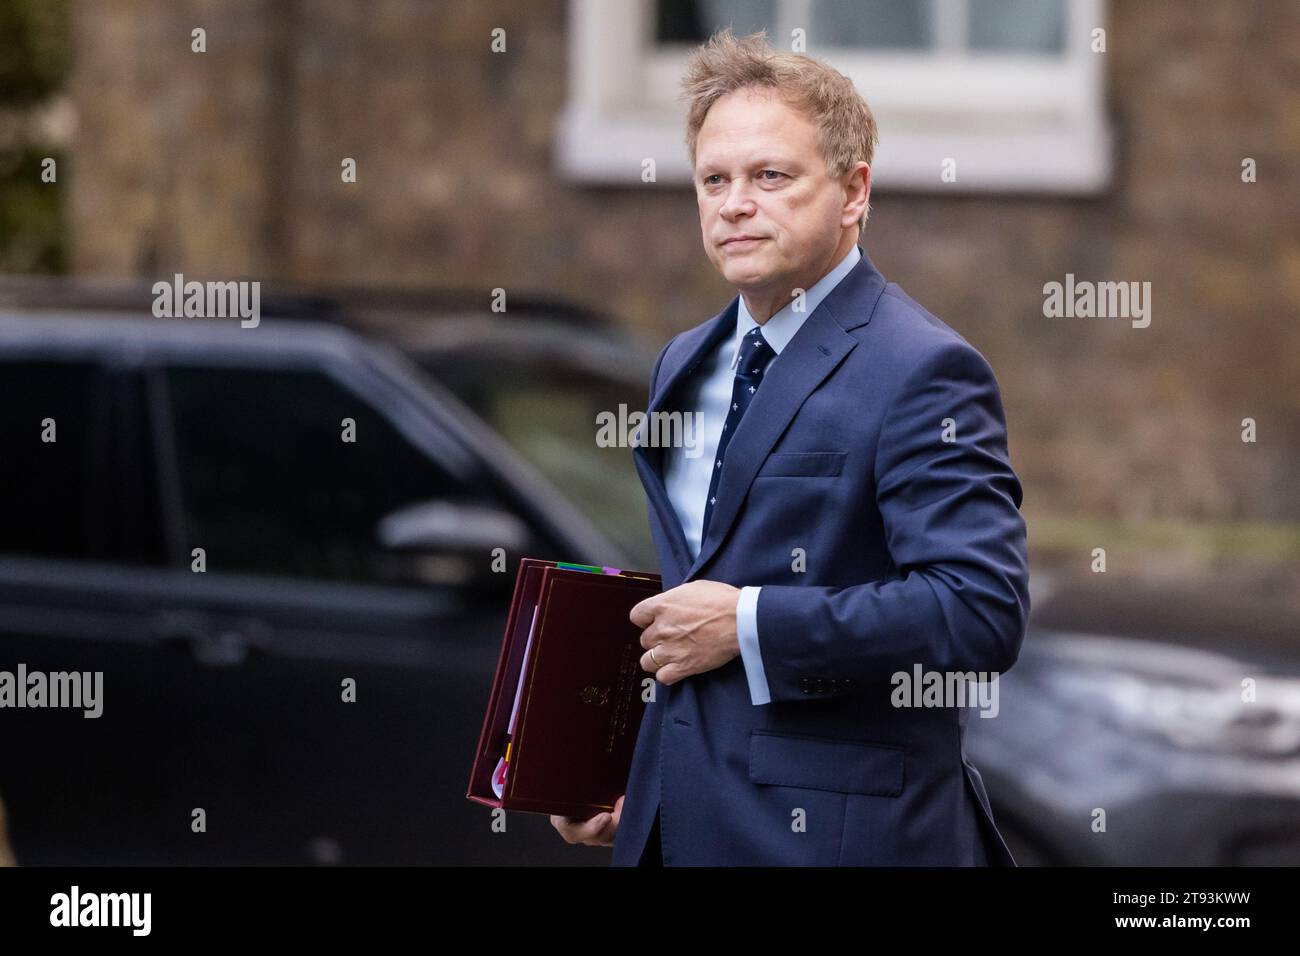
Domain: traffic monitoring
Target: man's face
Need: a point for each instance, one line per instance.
(759, 172)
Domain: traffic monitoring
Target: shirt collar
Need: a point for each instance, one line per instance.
(781, 327)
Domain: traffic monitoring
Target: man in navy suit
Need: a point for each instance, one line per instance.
(862, 527)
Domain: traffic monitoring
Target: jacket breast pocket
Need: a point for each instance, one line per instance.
(825, 763)
(802, 464)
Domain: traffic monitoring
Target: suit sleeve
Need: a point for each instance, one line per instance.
(954, 531)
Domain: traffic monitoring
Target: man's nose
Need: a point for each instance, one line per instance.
(738, 202)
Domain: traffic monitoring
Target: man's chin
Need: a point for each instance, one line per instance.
(745, 273)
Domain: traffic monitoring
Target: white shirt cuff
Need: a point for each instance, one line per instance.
(747, 634)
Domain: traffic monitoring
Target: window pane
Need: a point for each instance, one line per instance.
(45, 501)
(548, 411)
(269, 486)
(1036, 26)
(133, 509)
(692, 21)
(891, 24)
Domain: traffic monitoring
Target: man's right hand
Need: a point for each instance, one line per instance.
(597, 831)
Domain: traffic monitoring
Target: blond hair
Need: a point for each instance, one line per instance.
(846, 129)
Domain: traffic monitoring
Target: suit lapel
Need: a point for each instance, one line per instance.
(679, 363)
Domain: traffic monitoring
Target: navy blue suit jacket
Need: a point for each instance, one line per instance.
(915, 553)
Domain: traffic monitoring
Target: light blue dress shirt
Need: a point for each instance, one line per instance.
(687, 477)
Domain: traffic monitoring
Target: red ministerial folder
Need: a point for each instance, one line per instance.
(566, 704)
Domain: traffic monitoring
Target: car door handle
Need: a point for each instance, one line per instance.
(210, 642)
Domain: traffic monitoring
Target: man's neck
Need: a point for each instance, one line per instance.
(762, 305)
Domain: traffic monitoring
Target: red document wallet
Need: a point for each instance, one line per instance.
(566, 704)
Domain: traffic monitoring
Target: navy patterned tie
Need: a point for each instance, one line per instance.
(755, 354)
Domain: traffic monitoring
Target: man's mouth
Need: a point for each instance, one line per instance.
(742, 242)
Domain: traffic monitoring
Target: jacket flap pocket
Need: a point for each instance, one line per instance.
(825, 763)
(811, 464)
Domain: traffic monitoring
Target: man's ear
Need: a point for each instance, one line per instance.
(857, 193)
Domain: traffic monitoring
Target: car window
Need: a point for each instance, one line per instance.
(50, 423)
(548, 412)
(268, 483)
(133, 505)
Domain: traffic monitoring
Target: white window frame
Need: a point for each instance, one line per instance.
(1013, 123)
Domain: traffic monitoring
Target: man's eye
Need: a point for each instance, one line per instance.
(775, 174)
(711, 179)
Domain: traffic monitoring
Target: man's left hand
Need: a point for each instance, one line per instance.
(691, 628)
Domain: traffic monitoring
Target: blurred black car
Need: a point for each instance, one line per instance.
(347, 507)
(1148, 726)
